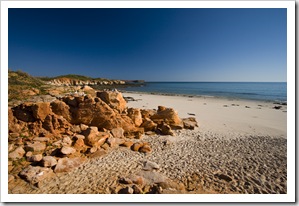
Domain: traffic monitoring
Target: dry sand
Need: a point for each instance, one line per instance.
(239, 147)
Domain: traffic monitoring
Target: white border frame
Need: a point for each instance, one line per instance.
(289, 197)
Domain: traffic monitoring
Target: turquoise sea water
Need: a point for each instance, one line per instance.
(267, 91)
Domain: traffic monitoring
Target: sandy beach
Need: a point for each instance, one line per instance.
(239, 147)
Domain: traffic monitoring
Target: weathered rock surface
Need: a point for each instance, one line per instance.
(62, 109)
(136, 116)
(35, 174)
(67, 164)
(41, 110)
(66, 150)
(35, 147)
(114, 99)
(49, 161)
(117, 132)
(150, 166)
(168, 116)
(190, 123)
(18, 153)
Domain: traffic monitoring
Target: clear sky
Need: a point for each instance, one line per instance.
(151, 44)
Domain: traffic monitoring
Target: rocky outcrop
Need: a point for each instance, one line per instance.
(76, 82)
(115, 100)
(61, 134)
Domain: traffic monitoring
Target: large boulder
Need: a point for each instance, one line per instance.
(168, 116)
(135, 115)
(114, 99)
(23, 112)
(94, 138)
(68, 164)
(149, 125)
(61, 108)
(41, 110)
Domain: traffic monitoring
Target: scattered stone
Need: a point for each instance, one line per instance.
(145, 149)
(10, 147)
(277, 107)
(126, 190)
(93, 150)
(76, 129)
(168, 116)
(66, 150)
(150, 166)
(190, 123)
(137, 190)
(18, 153)
(41, 139)
(136, 146)
(127, 144)
(117, 132)
(66, 141)
(124, 180)
(67, 164)
(49, 161)
(35, 174)
(79, 136)
(35, 147)
(166, 130)
(10, 178)
(35, 158)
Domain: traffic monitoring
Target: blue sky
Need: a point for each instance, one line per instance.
(150, 44)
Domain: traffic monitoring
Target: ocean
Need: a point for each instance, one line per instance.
(265, 91)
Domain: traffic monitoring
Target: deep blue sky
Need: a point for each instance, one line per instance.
(150, 44)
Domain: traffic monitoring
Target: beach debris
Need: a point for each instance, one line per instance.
(192, 114)
(225, 105)
(277, 107)
(247, 107)
(129, 99)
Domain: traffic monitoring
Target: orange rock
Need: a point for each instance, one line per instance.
(135, 115)
(136, 146)
(114, 99)
(41, 110)
(168, 116)
(61, 108)
(127, 144)
(145, 149)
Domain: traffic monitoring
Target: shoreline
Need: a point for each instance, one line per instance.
(281, 102)
(221, 114)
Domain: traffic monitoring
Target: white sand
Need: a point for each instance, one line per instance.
(213, 115)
